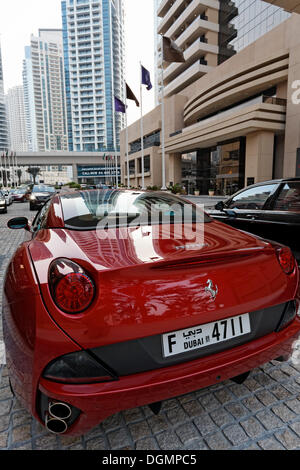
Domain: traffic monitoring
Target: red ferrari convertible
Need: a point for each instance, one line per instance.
(114, 301)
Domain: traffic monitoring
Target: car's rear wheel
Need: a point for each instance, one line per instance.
(32, 207)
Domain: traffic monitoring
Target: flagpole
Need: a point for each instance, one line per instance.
(127, 153)
(14, 169)
(5, 172)
(142, 130)
(16, 165)
(163, 155)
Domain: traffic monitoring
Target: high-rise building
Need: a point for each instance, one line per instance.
(254, 19)
(202, 29)
(29, 106)
(3, 118)
(44, 92)
(93, 35)
(14, 100)
(238, 123)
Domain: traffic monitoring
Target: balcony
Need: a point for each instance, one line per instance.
(225, 53)
(228, 33)
(164, 6)
(194, 9)
(191, 54)
(186, 78)
(197, 28)
(228, 11)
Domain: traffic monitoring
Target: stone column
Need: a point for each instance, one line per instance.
(75, 173)
(292, 134)
(259, 156)
(174, 168)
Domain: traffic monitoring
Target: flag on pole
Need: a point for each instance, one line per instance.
(130, 95)
(171, 52)
(120, 107)
(146, 79)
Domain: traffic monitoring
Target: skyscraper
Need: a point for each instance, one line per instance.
(202, 29)
(254, 19)
(44, 92)
(3, 118)
(93, 35)
(14, 100)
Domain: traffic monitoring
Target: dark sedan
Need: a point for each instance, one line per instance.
(270, 210)
(40, 195)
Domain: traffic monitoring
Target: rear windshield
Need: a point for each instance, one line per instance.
(115, 208)
(43, 189)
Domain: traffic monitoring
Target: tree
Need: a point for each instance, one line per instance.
(19, 173)
(33, 171)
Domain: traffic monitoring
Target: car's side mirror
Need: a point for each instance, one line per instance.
(220, 206)
(18, 223)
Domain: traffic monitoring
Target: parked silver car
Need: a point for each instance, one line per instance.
(3, 205)
(8, 197)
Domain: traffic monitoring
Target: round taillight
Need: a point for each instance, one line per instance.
(72, 289)
(74, 292)
(286, 259)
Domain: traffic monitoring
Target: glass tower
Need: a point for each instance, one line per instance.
(255, 18)
(3, 120)
(93, 36)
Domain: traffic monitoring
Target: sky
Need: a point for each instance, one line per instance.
(21, 18)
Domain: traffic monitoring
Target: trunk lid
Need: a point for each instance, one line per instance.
(148, 286)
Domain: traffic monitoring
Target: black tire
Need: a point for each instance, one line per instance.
(31, 207)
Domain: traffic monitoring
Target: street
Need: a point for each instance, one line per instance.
(263, 413)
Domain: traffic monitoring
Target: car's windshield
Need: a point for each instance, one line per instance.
(114, 208)
(43, 189)
(20, 191)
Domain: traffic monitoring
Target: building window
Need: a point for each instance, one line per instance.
(220, 168)
(146, 164)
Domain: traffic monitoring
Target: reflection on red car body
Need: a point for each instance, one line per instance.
(92, 322)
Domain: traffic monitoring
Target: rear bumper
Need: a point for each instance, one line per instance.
(98, 401)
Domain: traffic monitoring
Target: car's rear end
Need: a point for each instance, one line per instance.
(140, 319)
(19, 196)
(3, 203)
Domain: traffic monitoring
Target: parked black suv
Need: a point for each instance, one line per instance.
(40, 194)
(270, 210)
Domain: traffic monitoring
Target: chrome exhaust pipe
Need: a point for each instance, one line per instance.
(55, 425)
(59, 410)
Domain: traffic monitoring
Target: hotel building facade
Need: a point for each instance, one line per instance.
(236, 124)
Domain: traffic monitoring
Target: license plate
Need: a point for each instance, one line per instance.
(197, 337)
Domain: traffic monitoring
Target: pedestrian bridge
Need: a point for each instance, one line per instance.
(73, 159)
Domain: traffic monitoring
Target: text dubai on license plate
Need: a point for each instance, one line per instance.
(200, 336)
